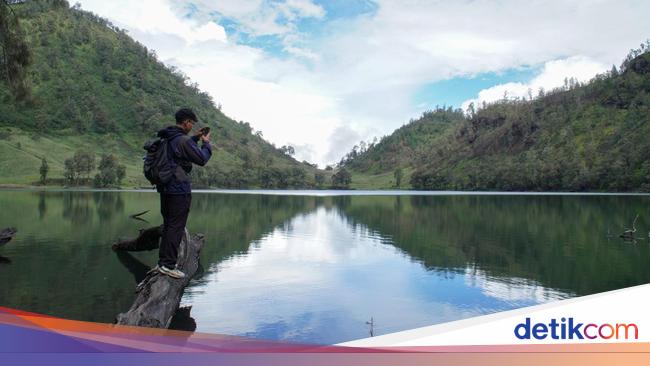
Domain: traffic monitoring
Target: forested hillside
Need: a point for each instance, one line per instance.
(94, 89)
(580, 137)
(92, 95)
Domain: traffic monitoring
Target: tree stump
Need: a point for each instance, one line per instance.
(158, 295)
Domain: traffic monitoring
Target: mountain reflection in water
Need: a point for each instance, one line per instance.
(317, 268)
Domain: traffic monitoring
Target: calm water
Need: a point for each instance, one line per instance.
(317, 268)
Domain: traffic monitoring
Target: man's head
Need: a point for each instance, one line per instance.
(185, 119)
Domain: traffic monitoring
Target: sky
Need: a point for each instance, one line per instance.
(323, 75)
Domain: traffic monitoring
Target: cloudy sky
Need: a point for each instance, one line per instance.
(323, 75)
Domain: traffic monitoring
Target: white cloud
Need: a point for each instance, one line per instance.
(512, 289)
(363, 72)
(155, 17)
(343, 136)
(258, 17)
(552, 76)
(293, 9)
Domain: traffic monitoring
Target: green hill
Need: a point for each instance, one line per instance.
(95, 88)
(581, 137)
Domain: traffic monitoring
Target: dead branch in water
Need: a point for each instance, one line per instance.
(628, 234)
(137, 216)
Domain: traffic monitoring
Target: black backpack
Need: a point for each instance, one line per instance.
(158, 166)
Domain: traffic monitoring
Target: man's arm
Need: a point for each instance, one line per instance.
(191, 151)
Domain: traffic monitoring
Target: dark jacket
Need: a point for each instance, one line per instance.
(184, 151)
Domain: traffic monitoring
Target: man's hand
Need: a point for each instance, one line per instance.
(206, 138)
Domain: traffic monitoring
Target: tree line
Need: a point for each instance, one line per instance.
(269, 177)
(79, 168)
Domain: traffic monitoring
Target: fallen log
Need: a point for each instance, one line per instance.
(158, 295)
(147, 240)
(7, 234)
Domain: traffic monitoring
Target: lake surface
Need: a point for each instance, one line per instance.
(317, 268)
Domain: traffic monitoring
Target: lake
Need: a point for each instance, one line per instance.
(317, 266)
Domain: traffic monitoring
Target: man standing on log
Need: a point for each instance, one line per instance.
(176, 195)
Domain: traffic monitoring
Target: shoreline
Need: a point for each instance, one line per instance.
(323, 192)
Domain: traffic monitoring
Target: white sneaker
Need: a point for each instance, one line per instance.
(175, 273)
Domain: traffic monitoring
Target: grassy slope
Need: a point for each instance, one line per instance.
(386, 180)
(21, 153)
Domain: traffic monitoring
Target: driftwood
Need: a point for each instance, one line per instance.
(7, 234)
(158, 295)
(628, 234)
(182, 320)
(138, 214)
(147, 240)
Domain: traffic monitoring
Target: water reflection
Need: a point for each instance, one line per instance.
(77, 208)
(108, 204)
(182, 320)
(133, 265)
(319, 278)
(42, 205)
(317, 269)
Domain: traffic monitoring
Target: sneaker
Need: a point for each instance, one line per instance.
(175, 273)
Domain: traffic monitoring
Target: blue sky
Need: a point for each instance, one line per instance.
(453, 92)
(323, 75)
(310, 28)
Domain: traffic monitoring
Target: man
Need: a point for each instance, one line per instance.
(176, 195)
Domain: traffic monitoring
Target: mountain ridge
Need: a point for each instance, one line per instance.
(580, 137)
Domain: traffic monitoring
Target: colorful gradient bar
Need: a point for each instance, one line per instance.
(29, 338)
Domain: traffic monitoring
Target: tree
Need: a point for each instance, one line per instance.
(288, 150)
(84, 162)
(341, 179)
(43, 170)
(110, 172)
(471, 110)
(297, 178)
(69, 172)
(319, 178)
(15, 56)
(78, 166)
(398, 174)
(120, 173)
